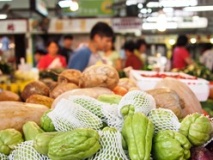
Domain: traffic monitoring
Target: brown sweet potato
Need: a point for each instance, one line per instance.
(39, 99)
(15, 114)
(9, 96)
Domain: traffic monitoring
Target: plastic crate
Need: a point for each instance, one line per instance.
(199, 86)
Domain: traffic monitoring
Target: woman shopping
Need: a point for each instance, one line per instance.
(52, 59)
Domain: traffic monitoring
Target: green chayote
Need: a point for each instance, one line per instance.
(46, 123)
(77, 144)
(197, 128)
(110, 98)
(170, 145)
(9, 138)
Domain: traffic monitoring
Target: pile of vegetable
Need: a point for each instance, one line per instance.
(109, 127)
(107, 119)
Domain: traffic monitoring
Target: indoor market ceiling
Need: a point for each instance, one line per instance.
(148, 10)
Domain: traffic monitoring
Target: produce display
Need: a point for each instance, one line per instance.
(96, 120)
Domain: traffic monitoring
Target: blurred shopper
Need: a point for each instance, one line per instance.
(181, 56)
(111, 56)
(131, 59)
(52, 59)
(140, 52)
(100, 37)
(207, 56)
(39, 53)
(66, 50)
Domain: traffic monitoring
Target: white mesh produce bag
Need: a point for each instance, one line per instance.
(68, 116)
(164, 119)
(89, 103)
(25, 151)
(107, 112)
(111, 147)
(3, 157)
(111, 116)
(140, 100)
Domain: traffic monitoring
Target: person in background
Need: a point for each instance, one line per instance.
(100, 37)
(39, 53)
(140, 52)
(52, 59)
(207, 56)
(131, 59)
(66, 50)
(181, 56)
(111, 57)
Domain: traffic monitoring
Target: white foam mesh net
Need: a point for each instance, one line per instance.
(111, 149)
(211, 139)
(68, 116)
(141, 101)
(111, 116)
(164, 119)
(3, 157)
(25, 151)
(89, 103)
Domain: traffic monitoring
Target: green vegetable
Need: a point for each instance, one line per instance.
(9, 138)
(46, 123)
(30, 130)
(77, 144)
(170, 145)
(197, 128)
(42, 140)
(138, 132)
(110, 98)
(128, 109)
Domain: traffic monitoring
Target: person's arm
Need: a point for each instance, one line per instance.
(187, 57)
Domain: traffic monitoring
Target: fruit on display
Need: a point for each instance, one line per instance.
(30, 130)
(35, 87)
(170, 145)
(201, 153)
(46, 123)
(16, 114)
(41, 141)
(61, 88)
(138, 131)
(9, 139)
(40, 99)
(69, 76)
(190, 101)
(197, 128)
(99, 76)
(168, 99)
(119, 90)
(109, 98)
(9, 96)
(127, 83)
(76, 145)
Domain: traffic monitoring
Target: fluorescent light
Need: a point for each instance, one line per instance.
(3, 16)
(5, 0)
(168, 10)
(198, 8)
(172, 3)
(140, 5)
(65, 3)
(154, 26)
(131, 2)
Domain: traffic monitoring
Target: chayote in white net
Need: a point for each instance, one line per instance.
(140, 100)
(25, 151)
(89, 103)
(164, 119)
(111, 146)
(68, 116)
(108, 113)
(3, 157)
(111, 117)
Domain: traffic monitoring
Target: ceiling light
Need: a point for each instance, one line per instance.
(5, 0)
(153, 5)
(211, 40)
(131, 2)
(161, 22)
(65, 3)
(171, 42)
(74, 6)
(168, 10)
(3, 16)
(193, 40)
(198, 8)
(140, 5)
(172, 3)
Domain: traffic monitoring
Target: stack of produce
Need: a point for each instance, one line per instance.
(95, 124)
